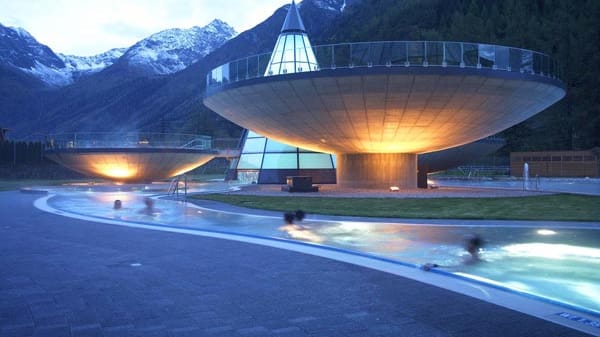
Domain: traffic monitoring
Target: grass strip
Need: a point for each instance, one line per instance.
(557, 207)
(10, 185)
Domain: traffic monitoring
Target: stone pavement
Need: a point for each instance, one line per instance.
(67, 277)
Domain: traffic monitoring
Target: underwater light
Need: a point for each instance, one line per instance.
(552, 251)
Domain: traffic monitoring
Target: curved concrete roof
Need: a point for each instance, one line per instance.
(384, 109)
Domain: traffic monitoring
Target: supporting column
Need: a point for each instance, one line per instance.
(377, 170)
(422, 176)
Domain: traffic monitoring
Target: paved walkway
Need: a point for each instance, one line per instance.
(67, 277)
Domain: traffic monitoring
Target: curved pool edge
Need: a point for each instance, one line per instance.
(574, 317)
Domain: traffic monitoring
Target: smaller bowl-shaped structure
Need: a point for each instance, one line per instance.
(131, 165)
(128, 159)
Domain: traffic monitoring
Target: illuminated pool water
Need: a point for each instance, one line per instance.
(561, 264)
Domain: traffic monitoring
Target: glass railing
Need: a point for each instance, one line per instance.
(90, 140)
(400, 54)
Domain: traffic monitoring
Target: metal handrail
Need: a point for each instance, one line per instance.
(126, 140)
(197, 143)
(400, 54)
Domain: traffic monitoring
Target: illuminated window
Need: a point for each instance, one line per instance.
(250, 161)
(315, 160)
(280, 161)
(254, 145)
(252, 134)
(280, 156)
(293, 52)
(273, 146)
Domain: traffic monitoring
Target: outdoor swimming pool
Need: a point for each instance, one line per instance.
(555, 263)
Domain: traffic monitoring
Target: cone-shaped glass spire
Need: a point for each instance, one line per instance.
(293, 52)
(293, 21)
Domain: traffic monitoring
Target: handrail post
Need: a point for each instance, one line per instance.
(332, 57)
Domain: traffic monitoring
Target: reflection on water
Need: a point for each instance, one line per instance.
(301, 232)
(556, 263)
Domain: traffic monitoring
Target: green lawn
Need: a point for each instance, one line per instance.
(15, 184)
(559, 207)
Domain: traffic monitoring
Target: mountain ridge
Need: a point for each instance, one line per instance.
(173, 50)
(176, 48)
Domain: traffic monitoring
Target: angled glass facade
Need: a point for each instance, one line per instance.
(265, 161)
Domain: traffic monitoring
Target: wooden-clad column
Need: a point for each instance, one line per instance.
(377, 170)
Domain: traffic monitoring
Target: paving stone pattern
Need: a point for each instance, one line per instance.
(67, 277)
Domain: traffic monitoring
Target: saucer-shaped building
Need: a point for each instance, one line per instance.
(130, 158)
(378, 105)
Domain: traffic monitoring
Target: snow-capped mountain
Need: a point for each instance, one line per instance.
(20, 50)
(332, 5)
(173, 50)
(165, 52)
(86, 64)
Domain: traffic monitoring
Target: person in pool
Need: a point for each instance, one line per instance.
(472, 244)
(149, 209)
(300, 214)
(117, 204)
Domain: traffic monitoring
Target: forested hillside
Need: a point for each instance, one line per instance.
(567, 30)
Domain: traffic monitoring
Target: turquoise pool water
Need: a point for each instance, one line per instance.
(561, 264)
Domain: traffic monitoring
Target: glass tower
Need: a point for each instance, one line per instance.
(293, 52)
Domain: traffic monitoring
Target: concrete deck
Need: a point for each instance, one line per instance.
(68, 277)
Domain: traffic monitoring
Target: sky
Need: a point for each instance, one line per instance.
(90, 27)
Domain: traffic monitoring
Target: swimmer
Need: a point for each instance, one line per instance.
(289, 218)
(473, 244)
(149, 209)
(300, 215)
(117, 204)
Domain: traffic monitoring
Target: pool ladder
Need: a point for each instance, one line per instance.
(175, 189)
